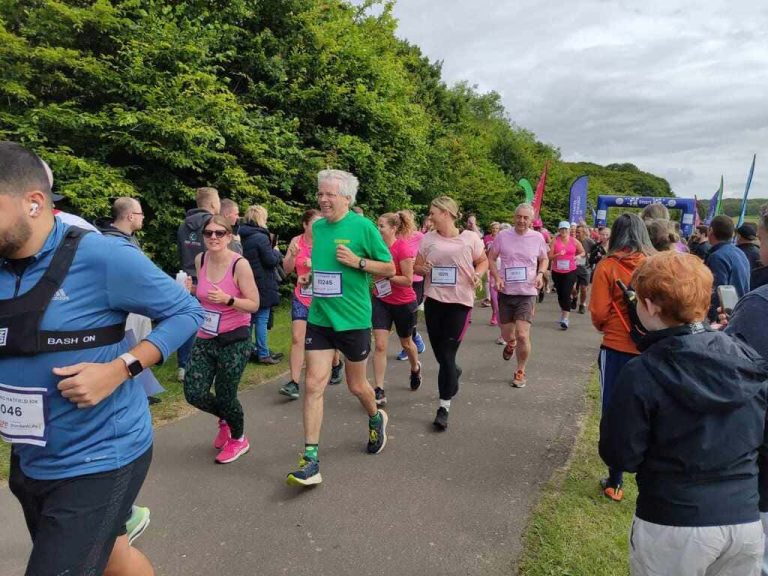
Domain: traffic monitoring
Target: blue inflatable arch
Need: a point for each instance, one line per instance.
(687, 206)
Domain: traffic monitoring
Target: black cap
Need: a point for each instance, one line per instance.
(747, 231)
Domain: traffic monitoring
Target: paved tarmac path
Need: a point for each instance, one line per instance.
(452, 503)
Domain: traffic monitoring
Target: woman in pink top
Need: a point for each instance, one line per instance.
(562, 255)
(227, 291)
(414, 239)
(452, 264)
(394, 302)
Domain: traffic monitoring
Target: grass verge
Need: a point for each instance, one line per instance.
(173, 406)
(574, 530)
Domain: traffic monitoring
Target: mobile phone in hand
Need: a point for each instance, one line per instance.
(728, 298)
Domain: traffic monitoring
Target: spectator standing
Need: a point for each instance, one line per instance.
(189, 238)
(759, 276)
(699, 244)
(691, 428)
(264, 259)
(231, 211)
(747, 242)
(600, 249)
(728, 264)
(628, 246)
(127, 219)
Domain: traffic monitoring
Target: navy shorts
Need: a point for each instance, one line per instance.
(74, 522)
(298, 310)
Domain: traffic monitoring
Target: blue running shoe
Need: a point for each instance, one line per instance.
(419, 341)
(403, 356)
(308, 473)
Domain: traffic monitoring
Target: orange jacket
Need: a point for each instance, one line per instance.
(607, 306)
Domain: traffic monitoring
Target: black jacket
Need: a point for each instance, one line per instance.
(257, 249)
(700, 249)
(759, 277)
(688, 415)
(752, 253)
(106, 227)
(189, 238)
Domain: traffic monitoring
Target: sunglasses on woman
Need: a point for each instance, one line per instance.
(216, 233)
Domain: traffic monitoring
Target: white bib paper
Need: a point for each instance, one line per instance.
(326, 284)
(444, 275)
(563, 265)
(383, 287)
(211, 321)
(305, 290)
(516, 274)
(22, 415)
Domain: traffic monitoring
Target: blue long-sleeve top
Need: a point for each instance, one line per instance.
(109, 278)
(729, 266)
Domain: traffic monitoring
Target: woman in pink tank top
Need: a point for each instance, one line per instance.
(298, 259)
(562, 255)
(227, 291)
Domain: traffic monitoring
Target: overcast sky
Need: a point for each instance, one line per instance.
(677, 87)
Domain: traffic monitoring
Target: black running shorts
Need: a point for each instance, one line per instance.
(401, 315)
(74, 522)
(354, 344)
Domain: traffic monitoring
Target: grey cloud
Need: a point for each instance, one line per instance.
(677, 88)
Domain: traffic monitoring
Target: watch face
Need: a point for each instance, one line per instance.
(134, 368)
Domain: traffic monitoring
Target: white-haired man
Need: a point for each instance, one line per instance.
(346, 247)
(523, 254)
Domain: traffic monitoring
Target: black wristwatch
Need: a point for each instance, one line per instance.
(231, 301)
(362, 263)
(132, 363)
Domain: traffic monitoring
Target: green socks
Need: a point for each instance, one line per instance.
(310, 451)
(374, 420)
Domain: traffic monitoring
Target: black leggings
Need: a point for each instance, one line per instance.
(564, 284)
(446, 325)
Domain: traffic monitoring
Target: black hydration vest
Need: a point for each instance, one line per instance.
(20, 317)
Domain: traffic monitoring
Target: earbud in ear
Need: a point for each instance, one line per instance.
(34, 208)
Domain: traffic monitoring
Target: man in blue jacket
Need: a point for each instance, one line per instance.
(77, 419)
(688, 416)
(728, 264)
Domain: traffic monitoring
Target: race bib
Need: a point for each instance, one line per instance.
(516, 274)
(562, 265)
(305, 290)
(211, 321)
(22, 415)
(444, 275)
(326, 284)
(383, 287)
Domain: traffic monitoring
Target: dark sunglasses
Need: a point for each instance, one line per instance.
(217, 233)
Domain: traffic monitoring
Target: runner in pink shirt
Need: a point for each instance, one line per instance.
(394, 302)
(562, 253)
(413, 241)
(453, 264)
(523, 256)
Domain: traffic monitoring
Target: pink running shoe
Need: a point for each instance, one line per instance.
(223, 436)
(232, 450)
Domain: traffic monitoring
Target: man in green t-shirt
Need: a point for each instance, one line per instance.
(345, 249)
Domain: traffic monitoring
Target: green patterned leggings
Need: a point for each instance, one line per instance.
(213, 365)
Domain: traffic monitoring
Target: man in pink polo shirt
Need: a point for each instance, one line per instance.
(523, 255)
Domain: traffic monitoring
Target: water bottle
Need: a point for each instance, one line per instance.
(181, 279)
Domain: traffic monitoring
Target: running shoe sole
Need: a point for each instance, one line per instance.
(381, 401)
(235, 457)
(288, 394)
(291, 480)
(138, 530)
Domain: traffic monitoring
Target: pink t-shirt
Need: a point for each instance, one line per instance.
(400, 250)
(219, 318)
(413, 241)
(546, 235)
(453, 271)
(519, 255)
(303, 293)
(565, 255)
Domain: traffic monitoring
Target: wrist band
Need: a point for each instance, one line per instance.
(231, 301)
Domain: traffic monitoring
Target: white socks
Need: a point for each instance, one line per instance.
(445, 404)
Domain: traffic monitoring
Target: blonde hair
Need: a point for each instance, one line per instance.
(402, 221)
(256, 215)
(205, 195)
(447, 204)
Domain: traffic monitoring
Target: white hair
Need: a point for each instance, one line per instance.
(347, 182)
(505, 226)
(526, 206)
